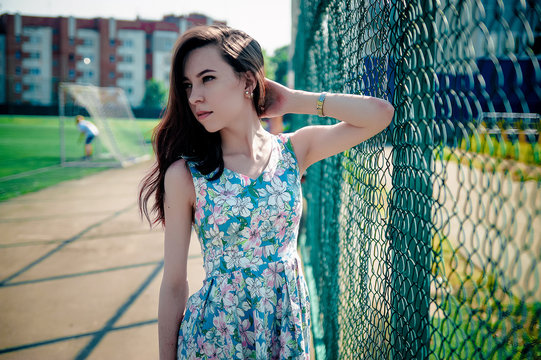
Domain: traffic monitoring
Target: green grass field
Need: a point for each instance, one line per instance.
(30, 153)
(518, 159)
(502, 149)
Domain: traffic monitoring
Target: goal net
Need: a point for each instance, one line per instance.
(120, 141)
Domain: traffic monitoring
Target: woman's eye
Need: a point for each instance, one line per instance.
(187, 86)
(208, 78)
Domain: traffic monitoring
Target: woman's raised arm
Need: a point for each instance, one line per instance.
(361, 118)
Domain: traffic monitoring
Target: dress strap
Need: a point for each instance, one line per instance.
(192, 168)
(289, 157)
(196, 174)
(285, 139)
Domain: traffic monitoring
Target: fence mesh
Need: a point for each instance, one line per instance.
(425, 241)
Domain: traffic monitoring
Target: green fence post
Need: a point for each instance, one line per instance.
(410, 223)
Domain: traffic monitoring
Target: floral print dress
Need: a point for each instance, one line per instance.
(254, 301)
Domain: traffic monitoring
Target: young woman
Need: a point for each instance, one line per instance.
(219, 171)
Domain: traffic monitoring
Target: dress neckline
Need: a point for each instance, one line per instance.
(266, 169)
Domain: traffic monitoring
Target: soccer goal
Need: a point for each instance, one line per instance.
(120, 141)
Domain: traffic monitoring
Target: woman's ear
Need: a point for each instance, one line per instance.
(250, 82)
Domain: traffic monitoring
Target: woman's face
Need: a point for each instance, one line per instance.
(215, 92)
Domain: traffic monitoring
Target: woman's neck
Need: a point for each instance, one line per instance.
(246, 140)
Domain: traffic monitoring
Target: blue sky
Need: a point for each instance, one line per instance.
(268, 21)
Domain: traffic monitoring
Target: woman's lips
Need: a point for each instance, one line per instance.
(203, 114)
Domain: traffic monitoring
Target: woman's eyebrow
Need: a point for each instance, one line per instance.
(200, 73)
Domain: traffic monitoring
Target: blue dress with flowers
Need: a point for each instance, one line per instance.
(254, 301)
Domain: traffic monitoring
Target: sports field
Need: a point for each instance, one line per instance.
(30, 153)
(80, 271)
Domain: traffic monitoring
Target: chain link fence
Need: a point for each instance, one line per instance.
(425, 241)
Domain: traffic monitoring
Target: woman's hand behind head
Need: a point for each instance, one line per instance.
(277, 99)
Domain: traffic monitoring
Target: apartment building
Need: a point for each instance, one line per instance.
(2, 69)
(38, 53)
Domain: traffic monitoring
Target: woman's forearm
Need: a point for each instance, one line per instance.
(170, 312)
(356, 110)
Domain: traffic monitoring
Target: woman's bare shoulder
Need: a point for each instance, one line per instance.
(178, 168)
(178, 179)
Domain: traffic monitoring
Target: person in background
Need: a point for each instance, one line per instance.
(89, 131)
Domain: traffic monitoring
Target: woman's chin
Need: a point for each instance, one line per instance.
(211, 130)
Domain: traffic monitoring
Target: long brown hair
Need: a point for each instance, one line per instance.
(179, 134)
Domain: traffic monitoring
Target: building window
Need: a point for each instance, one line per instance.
(18, 70)
(34, 55)
(71, 57)
(111, 58)
(34, 39)
(111, 74)
(17, 38)
(71, 41)
(71, 74)
(127, 75)
(128, 43)
(90, 73)
(34, 71)
(112, 42)
(163, 44)
(127, 58)
(18, 88)
(129, 90)
(17, 54)
(88, 42)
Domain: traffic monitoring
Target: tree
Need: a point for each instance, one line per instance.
(270, 66)
(155, 94)
(280, 60)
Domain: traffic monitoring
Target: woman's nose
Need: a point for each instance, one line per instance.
(195, 96)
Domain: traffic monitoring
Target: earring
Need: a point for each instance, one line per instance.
(248, 94)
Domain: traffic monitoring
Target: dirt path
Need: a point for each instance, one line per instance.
(80, 272)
